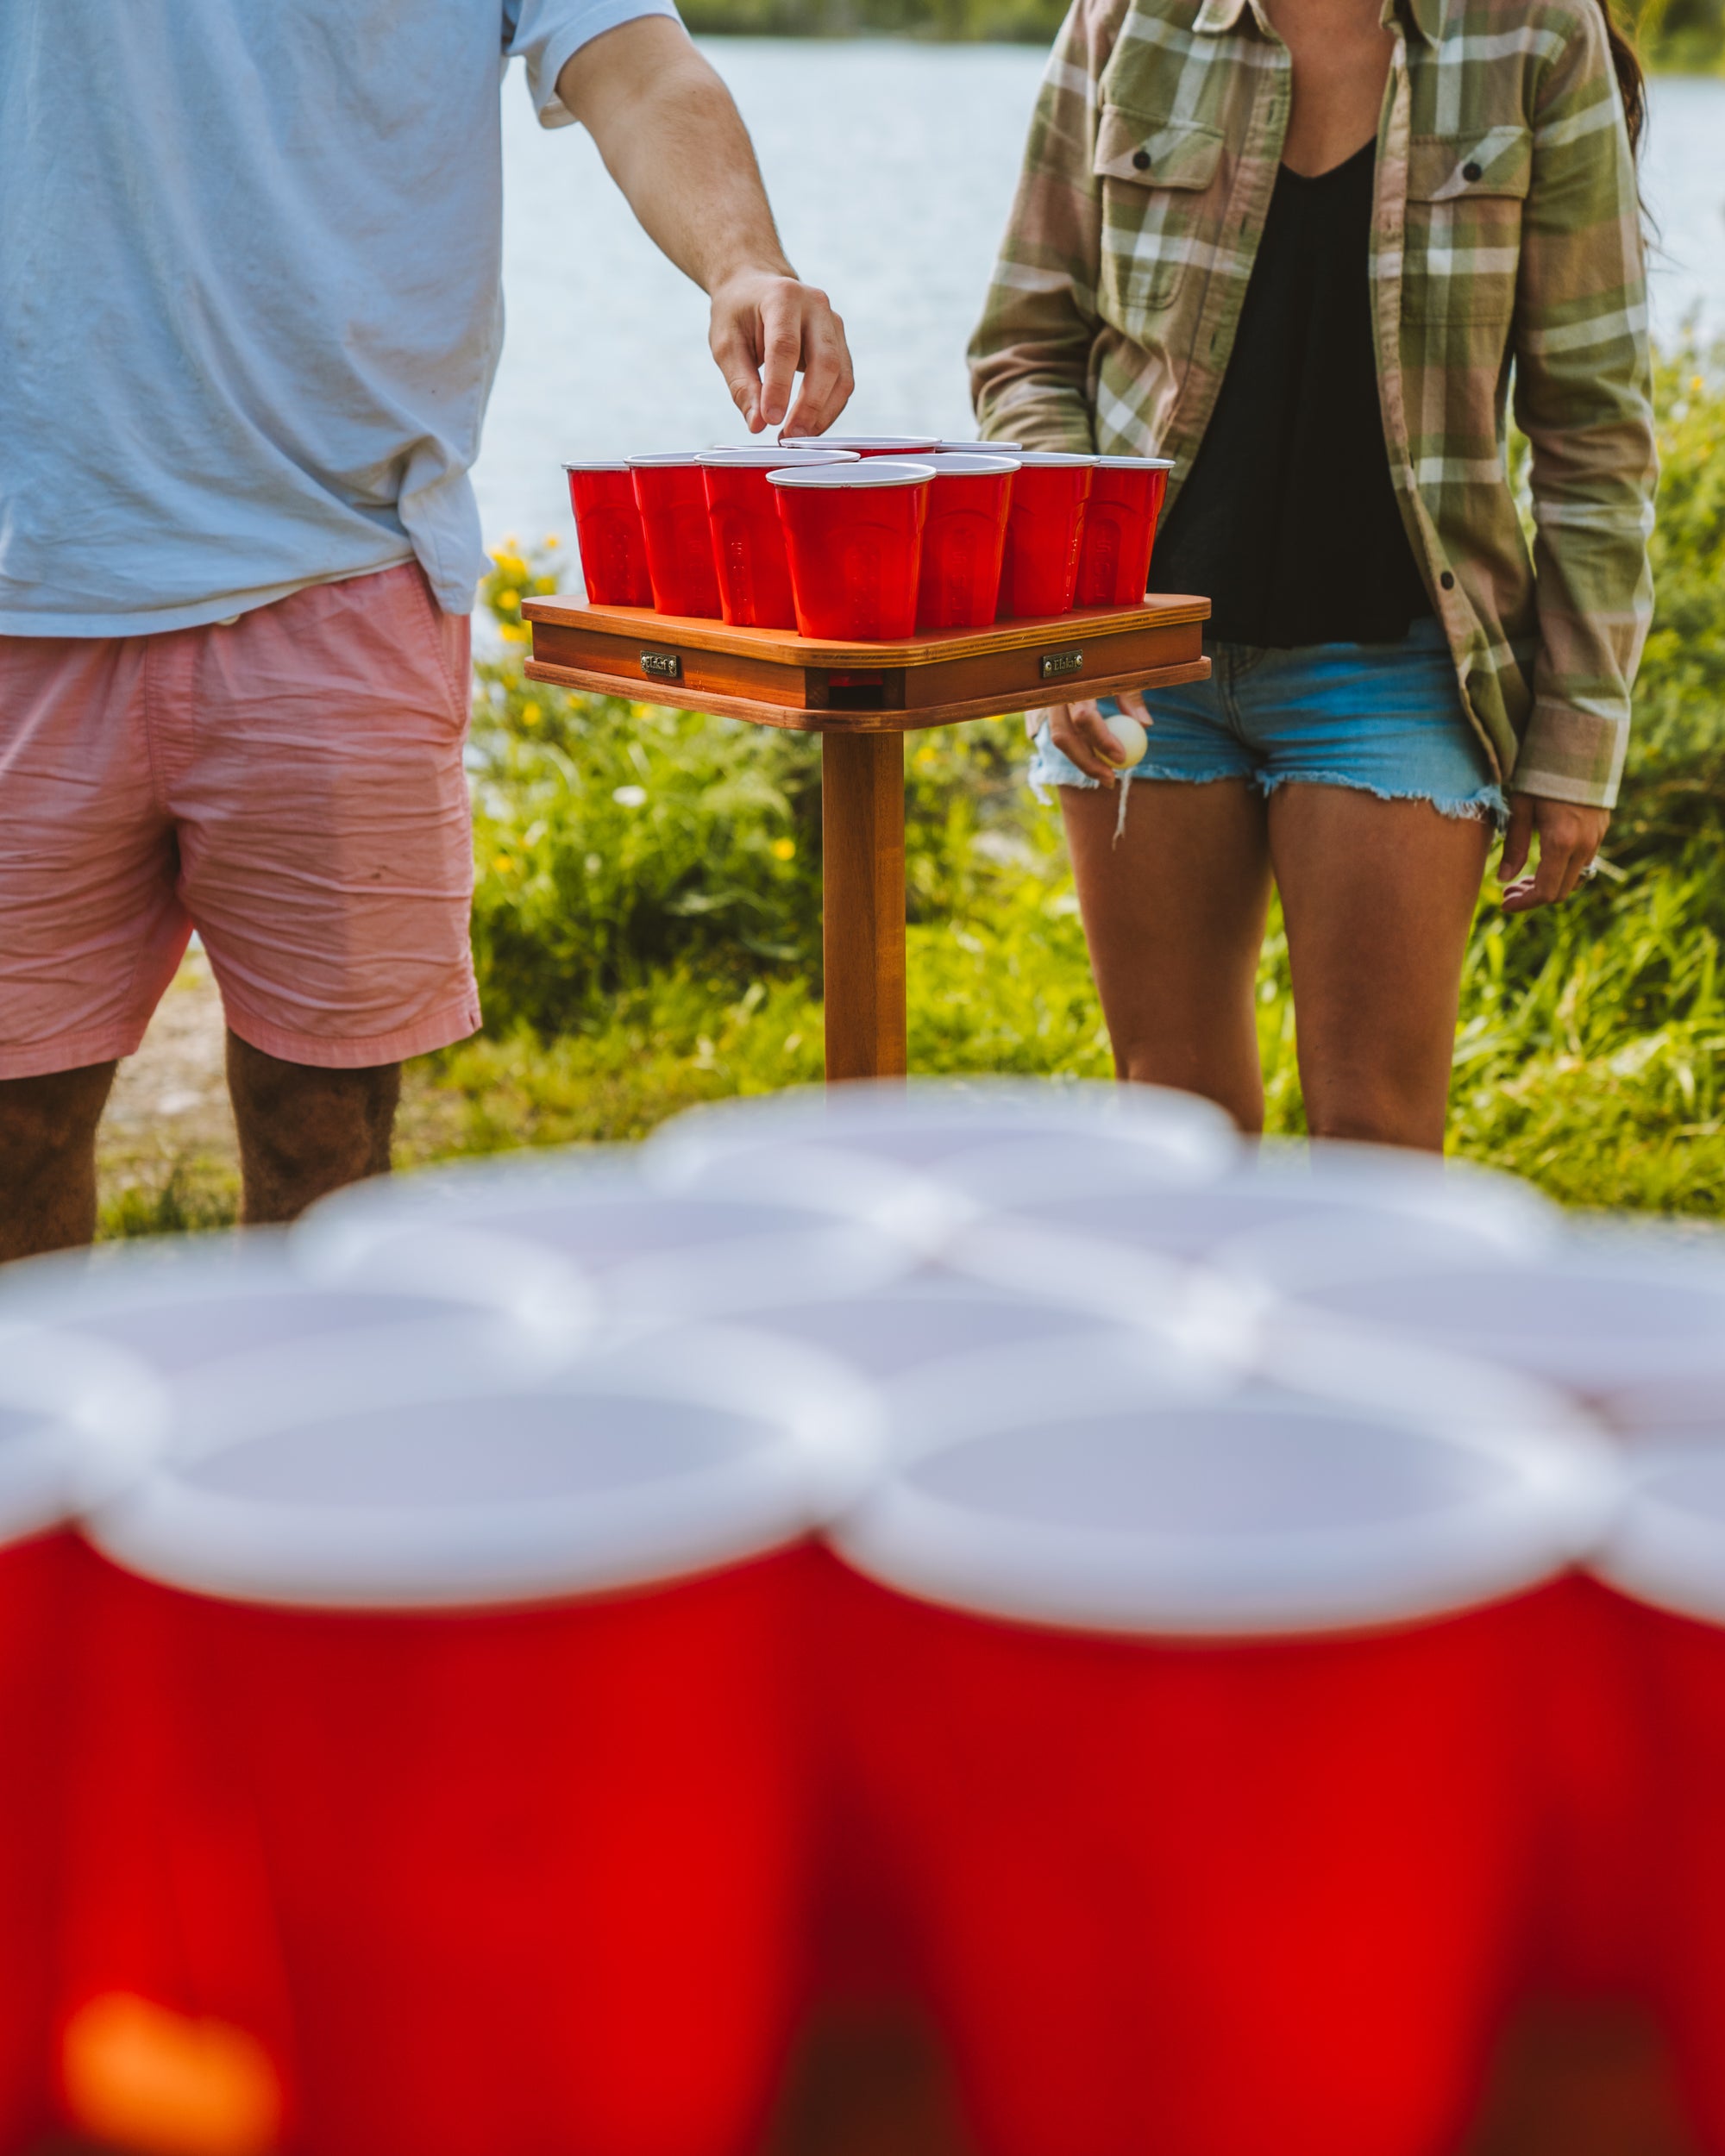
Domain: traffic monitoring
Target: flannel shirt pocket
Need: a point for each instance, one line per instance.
(1159, 203)
(1463, 234)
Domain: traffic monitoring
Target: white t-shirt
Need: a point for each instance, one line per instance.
(250, 300)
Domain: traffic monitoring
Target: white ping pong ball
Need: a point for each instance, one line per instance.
(1131, 737)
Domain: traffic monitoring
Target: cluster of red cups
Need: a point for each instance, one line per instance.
(867, 537)
(482, 1673)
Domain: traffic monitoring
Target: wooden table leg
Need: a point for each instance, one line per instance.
(863, 842)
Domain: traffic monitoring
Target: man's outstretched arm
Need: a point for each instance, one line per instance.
(675, 144)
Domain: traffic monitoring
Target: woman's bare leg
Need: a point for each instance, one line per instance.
(1174, 916)
(1378, 898)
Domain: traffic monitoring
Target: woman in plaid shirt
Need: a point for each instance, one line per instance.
(1315, 251)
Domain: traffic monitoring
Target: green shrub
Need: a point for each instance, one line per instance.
(1674, 784)
(1686, 35)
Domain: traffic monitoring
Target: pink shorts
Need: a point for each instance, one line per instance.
(289, 784)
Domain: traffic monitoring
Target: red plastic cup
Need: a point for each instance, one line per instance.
(495, 1676)
(1666, 1562)
(1196, 1734)
(73, 1416)
(608, 533)
(853, 533)
(1597, 1738)
(1044, 533)
(769, 455)
(1120, 529)
(987, 1136)
(648, 1254)
(748, 539)
(677, 537)
(865, 445)
(1631, 1324)
(978, 448)
(964, 540)
(171, 2005)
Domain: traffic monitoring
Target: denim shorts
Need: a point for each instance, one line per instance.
(1385, 718)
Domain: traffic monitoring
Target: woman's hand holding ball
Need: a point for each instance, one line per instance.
(1101, 746)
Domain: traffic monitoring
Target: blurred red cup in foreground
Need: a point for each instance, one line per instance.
(1666, 1558)
(608, 532)
(68, 1419)
(1196, 1729)
(1628, 1321)
(963, 540)
(748, 538)
(1120, 529)
(865, 445)
(175, 2032)
(671, 498)
(1044, 533)
(854, 536)
(496, 1674)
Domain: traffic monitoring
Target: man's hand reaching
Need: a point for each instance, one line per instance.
(767, 329)
(674, 143)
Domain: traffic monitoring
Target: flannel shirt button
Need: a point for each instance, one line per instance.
(1447, 579)
(1140, 161)
(1470, 171)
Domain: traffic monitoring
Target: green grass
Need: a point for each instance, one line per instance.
(1594, 1068)
(195, 1194)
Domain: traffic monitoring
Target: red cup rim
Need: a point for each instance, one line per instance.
(1540, 1486)
(90, 1414)
(910, 443)
(666, 457)
(1058, 457)
(773, 460)
(598, 464)
(982, 448)
(1133, 464)
(866, 472)
(961, 463)
(306, 1545)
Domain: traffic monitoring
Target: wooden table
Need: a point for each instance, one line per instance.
(862, 698)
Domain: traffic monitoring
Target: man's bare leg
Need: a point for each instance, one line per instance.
(306, 1131)
(48, 1159)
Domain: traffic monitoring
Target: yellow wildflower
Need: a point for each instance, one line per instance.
(502, 860)
(783, 849)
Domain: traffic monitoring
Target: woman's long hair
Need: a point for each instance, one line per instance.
(1631, 81)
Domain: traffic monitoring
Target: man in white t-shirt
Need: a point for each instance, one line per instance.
(249, 316)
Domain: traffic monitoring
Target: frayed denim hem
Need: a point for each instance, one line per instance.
(1472, 808)
(1040, 781)
(1486, 801)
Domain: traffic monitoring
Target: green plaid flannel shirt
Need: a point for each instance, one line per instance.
(1506, 247)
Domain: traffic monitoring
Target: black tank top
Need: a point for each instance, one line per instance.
(1287, 522)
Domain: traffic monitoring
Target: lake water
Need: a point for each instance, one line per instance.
(891, 167)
